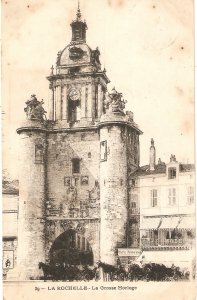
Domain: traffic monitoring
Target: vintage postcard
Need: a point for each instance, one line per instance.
(98, 149)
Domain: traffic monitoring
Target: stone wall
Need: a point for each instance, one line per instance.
(55, 197)
(113, 183)
(73, 199)
(31, 233)
(133, 157)
(73, 194)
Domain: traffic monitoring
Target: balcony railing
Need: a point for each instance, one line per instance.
(171, 242)
(149, 243)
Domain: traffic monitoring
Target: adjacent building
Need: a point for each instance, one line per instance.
(10, 195)
(165, 196)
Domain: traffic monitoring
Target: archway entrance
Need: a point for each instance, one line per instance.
(71, 248)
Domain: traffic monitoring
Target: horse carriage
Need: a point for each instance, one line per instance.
(67, 272)
(156, 272)
(111, 273)
(106, 272)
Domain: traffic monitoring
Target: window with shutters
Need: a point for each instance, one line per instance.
(172, 196)
(190, 195)
(171, 173)
(154, 196)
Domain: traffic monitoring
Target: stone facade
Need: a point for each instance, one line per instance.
(74, 166)
(32, 187)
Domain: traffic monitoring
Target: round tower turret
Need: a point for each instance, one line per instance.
(31, 240)
(114, 157)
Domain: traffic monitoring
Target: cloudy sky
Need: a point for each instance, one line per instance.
(146, 47)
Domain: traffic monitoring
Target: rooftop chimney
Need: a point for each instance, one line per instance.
(152, 156)
(172, 158)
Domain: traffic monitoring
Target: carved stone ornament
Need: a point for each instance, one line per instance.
(34, 109)
(58, 58)
(129, 115)
(80, 228)
(95, 55)
(114, 102)
(75, 53)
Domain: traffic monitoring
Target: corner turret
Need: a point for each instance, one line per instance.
(32, 186)
(119, 155)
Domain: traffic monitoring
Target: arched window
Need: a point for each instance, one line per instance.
(76, 165)
(39, 154)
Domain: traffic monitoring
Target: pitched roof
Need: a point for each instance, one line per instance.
(161, 169)
(187, 167)
(10, 187)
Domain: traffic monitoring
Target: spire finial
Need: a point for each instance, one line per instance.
(78, 11)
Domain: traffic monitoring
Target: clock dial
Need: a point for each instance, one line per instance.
(74, 94)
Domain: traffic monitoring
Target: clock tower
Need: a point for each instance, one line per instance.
(78, 84)
(74, 203)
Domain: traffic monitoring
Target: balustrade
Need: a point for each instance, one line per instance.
(148, 243)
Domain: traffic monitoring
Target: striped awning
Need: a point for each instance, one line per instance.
(10, 203)
(170, 222)
(150, 223)
(182, 258)
(187, 223)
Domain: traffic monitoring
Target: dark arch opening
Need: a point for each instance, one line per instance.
(71, 248)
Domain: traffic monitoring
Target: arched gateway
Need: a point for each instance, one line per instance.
(73, 242)
(71, 248)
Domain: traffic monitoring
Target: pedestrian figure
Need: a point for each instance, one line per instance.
(7, 263)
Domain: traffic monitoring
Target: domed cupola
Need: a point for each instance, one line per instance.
(79, 28)
(78, 85)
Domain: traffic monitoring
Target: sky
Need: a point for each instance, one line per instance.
(147, 48)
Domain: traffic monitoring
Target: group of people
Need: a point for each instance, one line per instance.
(106, 272)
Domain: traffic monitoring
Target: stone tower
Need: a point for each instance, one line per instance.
(75, 166)
(32, 185)
(78, 85)
(118, 135)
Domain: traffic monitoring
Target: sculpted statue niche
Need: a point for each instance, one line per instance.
(34, 109)
(114, 102)
(95, 55)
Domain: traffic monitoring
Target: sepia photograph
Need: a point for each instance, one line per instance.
(98, 179)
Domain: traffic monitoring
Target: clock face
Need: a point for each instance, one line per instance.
(74, 94)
